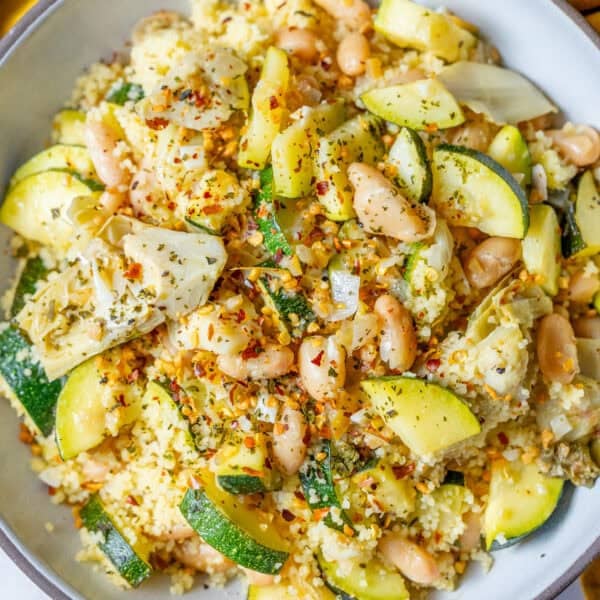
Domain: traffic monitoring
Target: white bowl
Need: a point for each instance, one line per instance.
(39, 61)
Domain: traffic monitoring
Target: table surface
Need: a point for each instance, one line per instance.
(14, 583)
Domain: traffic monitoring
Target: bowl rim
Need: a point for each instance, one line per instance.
(42, 575)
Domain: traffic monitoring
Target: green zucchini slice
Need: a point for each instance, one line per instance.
(410, 25)
(26, 381)
(68, 127)
(36, 207)
(224, 522)
(408, 156)
(422, 105)
(373, 581)
(90, 396)
(541, 247)
(427, 417)
(59, 157)
(268, 110)
(581, 233)
(357, 140)
(472, 190)
(131, 563)
(34, 270)
(510, 150)
(521, 499)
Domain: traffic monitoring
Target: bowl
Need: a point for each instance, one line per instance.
(39, 61)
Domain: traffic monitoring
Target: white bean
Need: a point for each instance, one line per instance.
(383, 210)
(583, 286)
(289, 445)
(354, 13)
(491, 260)
(301, 43)
(580, 145)
(556, 349)
(410, 559)
(398, 342)
(273, 361)
(471, 536)
(352, 54)
(322, 366)
(587, 327)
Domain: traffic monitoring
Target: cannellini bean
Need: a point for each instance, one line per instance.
(587, 327)
(354, 13)
(398, 343)
(298, 42)
(102, 141)
(471, 536)
(490, 260)
(476, 134)
(579, 145)
(273, 361)
(289, 445)
(198, 555)
(382, 209)
(410, 559)
(256, 578)
(556, 349)
(583, 286)
(352, 54)
(322, 366)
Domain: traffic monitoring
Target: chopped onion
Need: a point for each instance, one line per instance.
(540, 181)
(344, 291)
(560, 426)
(502, 95)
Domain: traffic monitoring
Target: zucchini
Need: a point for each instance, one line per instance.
(282, 591)
(291, 307)
(34, 270)
(422, 105)
(130, 562)
(427, 417)
(265, 215)
(268, 110)
(37, 206)
(588, 355)
(371, 581)
(122, 92)
(357, 140)
(410, 25)
(68, 127)
(316, 477)
(581, 232)
(510, 150)
(520, 500)
(472, 190)
(59, 157)
(92, 396)
(541, 247)
(233, 529)
(412, 260)
(293, 149)
(26, 380)
(243, 466)
(408, 156)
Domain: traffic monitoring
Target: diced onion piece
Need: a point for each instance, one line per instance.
(344, 291)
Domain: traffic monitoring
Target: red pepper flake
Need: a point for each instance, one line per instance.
(299, 495)
(322, 187)
(172, 205)
(212, 209)
(211, 331)
(287, 515)
(133, 272)
(207, 194)
(249, 441)
(402, 471)
(157, 123)
(278, 256)
(121, 400)
(131, 500)
(251, 351)
(273, 102)
(503, 438)
(318, 359)
(433, 364)
(51, 490)
(241, 316)
(431, 127)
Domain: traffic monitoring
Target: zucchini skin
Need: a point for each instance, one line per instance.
(28, 380)
(241, 484)
(34, 271)
(116, 548)
(227, 537)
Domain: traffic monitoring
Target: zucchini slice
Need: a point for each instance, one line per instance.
(422, 105)
(34, 270)
(36, 207)
(68, 127)
(27, 380)
(521, 499)
(293, 149)
(427, 417)
(130, 562)
(90, 397)
(472, 190)
(356, 140)
(408, 156)
(224, 522)
(268, 110)
(265, 215)
(510, 150)
(60, 157)
(581, 235)
(541, 247)
(243, 468)
(373, 581)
